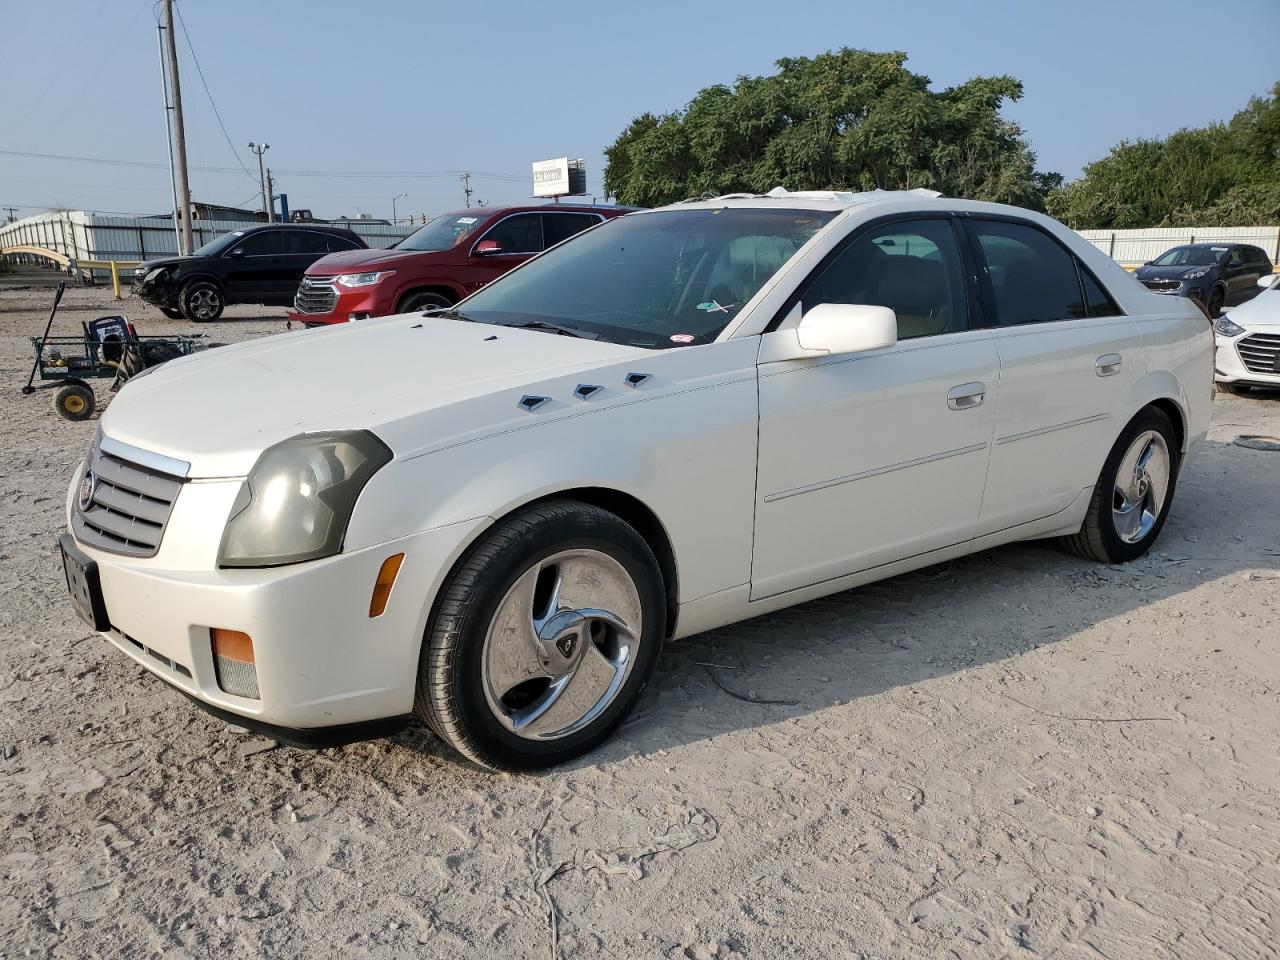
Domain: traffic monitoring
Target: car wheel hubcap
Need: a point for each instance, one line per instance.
(561, 644)
(204, 303)
(1142, 483)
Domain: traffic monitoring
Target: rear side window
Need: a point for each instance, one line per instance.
(1033, 278)
(336, 244)
(910, 266)
(305, 242)
(266, 244)
(521, 233)
(562, 226)
(1097, 301)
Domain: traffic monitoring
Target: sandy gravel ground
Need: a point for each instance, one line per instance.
(1017, 755)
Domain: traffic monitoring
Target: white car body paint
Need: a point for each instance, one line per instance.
(775, 480)
(1259, 343)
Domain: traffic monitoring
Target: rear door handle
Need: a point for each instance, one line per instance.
(1108, 365)
(966, 396)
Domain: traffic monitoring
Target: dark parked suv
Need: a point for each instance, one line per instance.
(1217, 274)
(260, 265)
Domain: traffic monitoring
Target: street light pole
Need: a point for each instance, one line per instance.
(398, 196)
(179, 131)
(259, 149)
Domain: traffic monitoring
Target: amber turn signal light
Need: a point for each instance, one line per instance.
(231, 645)
(382, 586)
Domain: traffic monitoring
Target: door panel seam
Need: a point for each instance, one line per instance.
(1041, 431)
(875, 472)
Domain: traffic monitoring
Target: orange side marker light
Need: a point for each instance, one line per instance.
(382, 586)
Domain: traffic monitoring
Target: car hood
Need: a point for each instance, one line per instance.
(1262, 313)
(355, 261)
(148, 265)
(1171, 273)
(401, 377)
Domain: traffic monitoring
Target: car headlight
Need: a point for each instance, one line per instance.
(1194, 274)
(363, 279)
(1225, 327)
(298, 498)
(139, 272)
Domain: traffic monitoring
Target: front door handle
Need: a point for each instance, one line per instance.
(1108, 365)
(966, 396)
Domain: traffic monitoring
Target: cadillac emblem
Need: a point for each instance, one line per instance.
(88, 486)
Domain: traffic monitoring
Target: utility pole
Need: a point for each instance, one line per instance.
(168, 138)
(271, 198)
(260, 149)
(179, 132)
(466, 187)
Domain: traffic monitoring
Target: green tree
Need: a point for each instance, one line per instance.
(1219, 174)
(847, 120)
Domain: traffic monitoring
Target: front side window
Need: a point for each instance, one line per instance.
(670, 278)
(521, 233)
(1033, 278)
(913, 267)
(266, 244)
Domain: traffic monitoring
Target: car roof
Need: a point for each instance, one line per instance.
(485, 212)
(322, 227)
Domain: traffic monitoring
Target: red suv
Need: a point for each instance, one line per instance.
(450, 257)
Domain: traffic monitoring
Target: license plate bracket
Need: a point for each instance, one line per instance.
(83, 584)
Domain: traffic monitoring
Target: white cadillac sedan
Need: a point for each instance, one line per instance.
(1249, 342)
(491, 517)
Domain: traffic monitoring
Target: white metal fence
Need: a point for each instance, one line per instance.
(92, 236)
(1132, 248)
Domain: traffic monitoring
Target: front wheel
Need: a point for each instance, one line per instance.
(1131, 501)
(173, 313)
(543, 638)
(202, 301)
(1217, 298)
(417, 302)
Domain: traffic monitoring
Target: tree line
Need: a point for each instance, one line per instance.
(858, 120)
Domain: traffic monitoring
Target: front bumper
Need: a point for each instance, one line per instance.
(157, 291)
(1229, 367)
(358, 304)
(326, 671)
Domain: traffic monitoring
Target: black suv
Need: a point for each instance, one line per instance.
(260, 265)
(1217, 274)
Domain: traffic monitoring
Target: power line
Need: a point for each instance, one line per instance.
(196, 60)
(334, 174)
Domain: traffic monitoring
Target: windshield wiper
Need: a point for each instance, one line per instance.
(449, 312)
(553, 328)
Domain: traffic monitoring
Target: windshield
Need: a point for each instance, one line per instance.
(442, 233)
(1190, 257)
(218, 244)
(665, 279)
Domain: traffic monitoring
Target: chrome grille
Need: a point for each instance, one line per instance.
(1259, 352)
(1162, 286)
(315, 296)
(127, 505)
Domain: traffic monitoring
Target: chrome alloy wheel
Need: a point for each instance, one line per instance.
(1142, 484)
(204, 303)
(561, 644)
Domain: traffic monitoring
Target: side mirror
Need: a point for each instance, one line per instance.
(833, 329)
(1266, 280)
(487, 248)
(237, 253)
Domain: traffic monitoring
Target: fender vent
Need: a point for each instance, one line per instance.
(585, 391)
(530, 403)
(635, 379)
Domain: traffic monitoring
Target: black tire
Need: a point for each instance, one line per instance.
(1098, 538)
(450, 696)
(202, 301)
(422, 300)
(75, 401)
(173, 313)
(1217, 298)
(1235, 389)
(157, 352)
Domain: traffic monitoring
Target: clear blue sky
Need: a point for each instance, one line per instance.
(398, 85)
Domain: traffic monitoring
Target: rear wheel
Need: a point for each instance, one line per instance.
(543, 638)
(423, 300)
(1131, 501)
(75, 401)
(202, 301)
